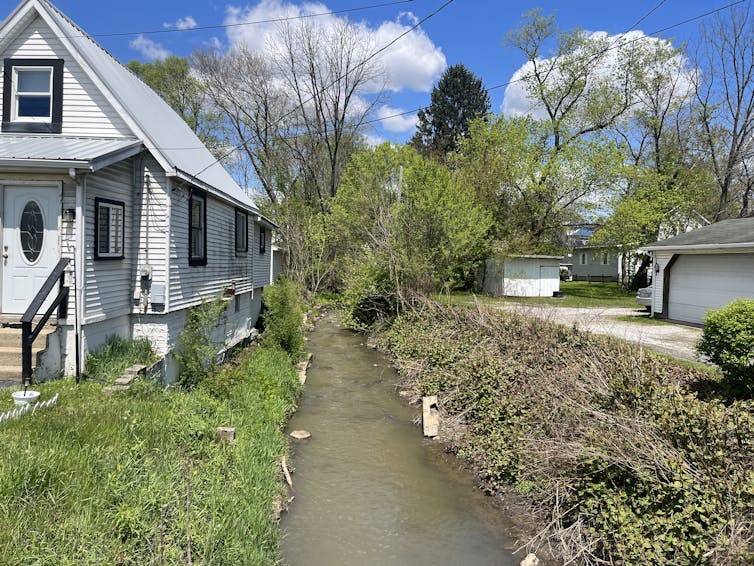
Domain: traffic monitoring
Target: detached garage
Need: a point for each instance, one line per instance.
(703, 269)
(522, 276)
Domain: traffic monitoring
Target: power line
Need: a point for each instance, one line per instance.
(512, 81)
(334, 81)
(237, 24)
(611, 47)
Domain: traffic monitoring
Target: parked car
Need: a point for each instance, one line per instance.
(644, 297)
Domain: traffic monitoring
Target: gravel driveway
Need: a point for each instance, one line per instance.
(672, 339)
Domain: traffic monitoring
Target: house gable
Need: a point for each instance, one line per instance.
(85, 109)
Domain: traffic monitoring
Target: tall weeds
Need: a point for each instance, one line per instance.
(623, 459)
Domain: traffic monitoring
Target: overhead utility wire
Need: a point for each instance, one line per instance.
(520, 79)
(237, 24)
(340, 77)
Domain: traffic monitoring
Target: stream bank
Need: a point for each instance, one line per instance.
(368, 489)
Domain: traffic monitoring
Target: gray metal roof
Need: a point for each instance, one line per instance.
(55, 151)
(164, 132)
(737, 232)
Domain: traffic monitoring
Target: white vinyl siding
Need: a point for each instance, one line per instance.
(108, 292)
(261, 262)
(86, 112)
(702, 282)
(190, 284)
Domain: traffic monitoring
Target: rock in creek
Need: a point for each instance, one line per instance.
(301, 434)
(530, 560)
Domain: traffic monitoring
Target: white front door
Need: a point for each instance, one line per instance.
(30, 243)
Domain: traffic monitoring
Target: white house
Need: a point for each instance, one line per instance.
(97, 169)
(522, 276)
(703, 269)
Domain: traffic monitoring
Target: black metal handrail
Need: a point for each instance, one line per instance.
(29, 334)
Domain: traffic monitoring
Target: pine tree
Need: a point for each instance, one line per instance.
(458, 98)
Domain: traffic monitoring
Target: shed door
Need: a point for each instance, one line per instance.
(30, 244)
(702, 282)
(549, 280)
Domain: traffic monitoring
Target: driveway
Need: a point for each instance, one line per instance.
(668, 338)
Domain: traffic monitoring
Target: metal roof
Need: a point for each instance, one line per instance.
(163, 131)
(737, 232)
(55, 151)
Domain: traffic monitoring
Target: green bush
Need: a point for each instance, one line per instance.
(369, 297)
(197, 352)
(283, 317)
(728, 340)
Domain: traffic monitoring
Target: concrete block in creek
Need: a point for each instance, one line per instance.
(430, 416)
(301, 434)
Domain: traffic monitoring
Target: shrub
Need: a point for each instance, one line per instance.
(283, 317)
(728, 340)
(197, 352)
(369, 297)
(109, 361)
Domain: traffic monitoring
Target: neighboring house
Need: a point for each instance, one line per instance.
(96, 168)
(590, 262)
(522, 276)
(595, 263)
(704, 269)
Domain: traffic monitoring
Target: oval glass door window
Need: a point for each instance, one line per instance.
(32, 231)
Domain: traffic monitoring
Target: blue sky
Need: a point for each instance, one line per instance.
(466, 31)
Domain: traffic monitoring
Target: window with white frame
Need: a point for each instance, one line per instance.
(582, 258)
(262, 240)
(33, 95)
(109, 229)
(198, 228)
(605, 258)
(242, 233)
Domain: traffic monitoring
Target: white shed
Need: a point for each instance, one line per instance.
(522, 276)
(703, 269)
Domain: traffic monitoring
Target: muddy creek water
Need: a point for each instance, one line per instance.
(368, 489)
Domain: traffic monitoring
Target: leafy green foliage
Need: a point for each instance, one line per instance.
(118, 479)
(197, 349)
(610, 443)
(403, 224)
(534, 185)
(110, 360)
(283, 318)
(174, 81)
(458, 98)
(728, 340)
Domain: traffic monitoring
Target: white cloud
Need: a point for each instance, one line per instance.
(186, 23)
(374, 141)
(148, 48)
(414, 62)
(393, 121)
(182, 23)
(517, 102)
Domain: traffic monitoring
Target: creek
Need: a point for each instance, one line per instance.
(368, 489)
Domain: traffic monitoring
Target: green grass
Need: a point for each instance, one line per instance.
(110, 361)
(576, 294)
(118, 479)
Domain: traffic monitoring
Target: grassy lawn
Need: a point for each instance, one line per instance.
(576, 294)
(139, 477)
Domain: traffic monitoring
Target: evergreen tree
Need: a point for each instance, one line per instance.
(458, 98)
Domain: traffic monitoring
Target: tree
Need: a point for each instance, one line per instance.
(534, 186)
(457, 99)
(725, 94)
(173, 79)
(408, 218)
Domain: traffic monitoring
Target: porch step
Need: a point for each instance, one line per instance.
(10, 352)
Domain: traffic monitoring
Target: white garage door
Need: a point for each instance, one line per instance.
(702, 282)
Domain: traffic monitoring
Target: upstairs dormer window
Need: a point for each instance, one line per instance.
(33, 95)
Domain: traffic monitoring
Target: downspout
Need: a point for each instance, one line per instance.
(80, 272)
